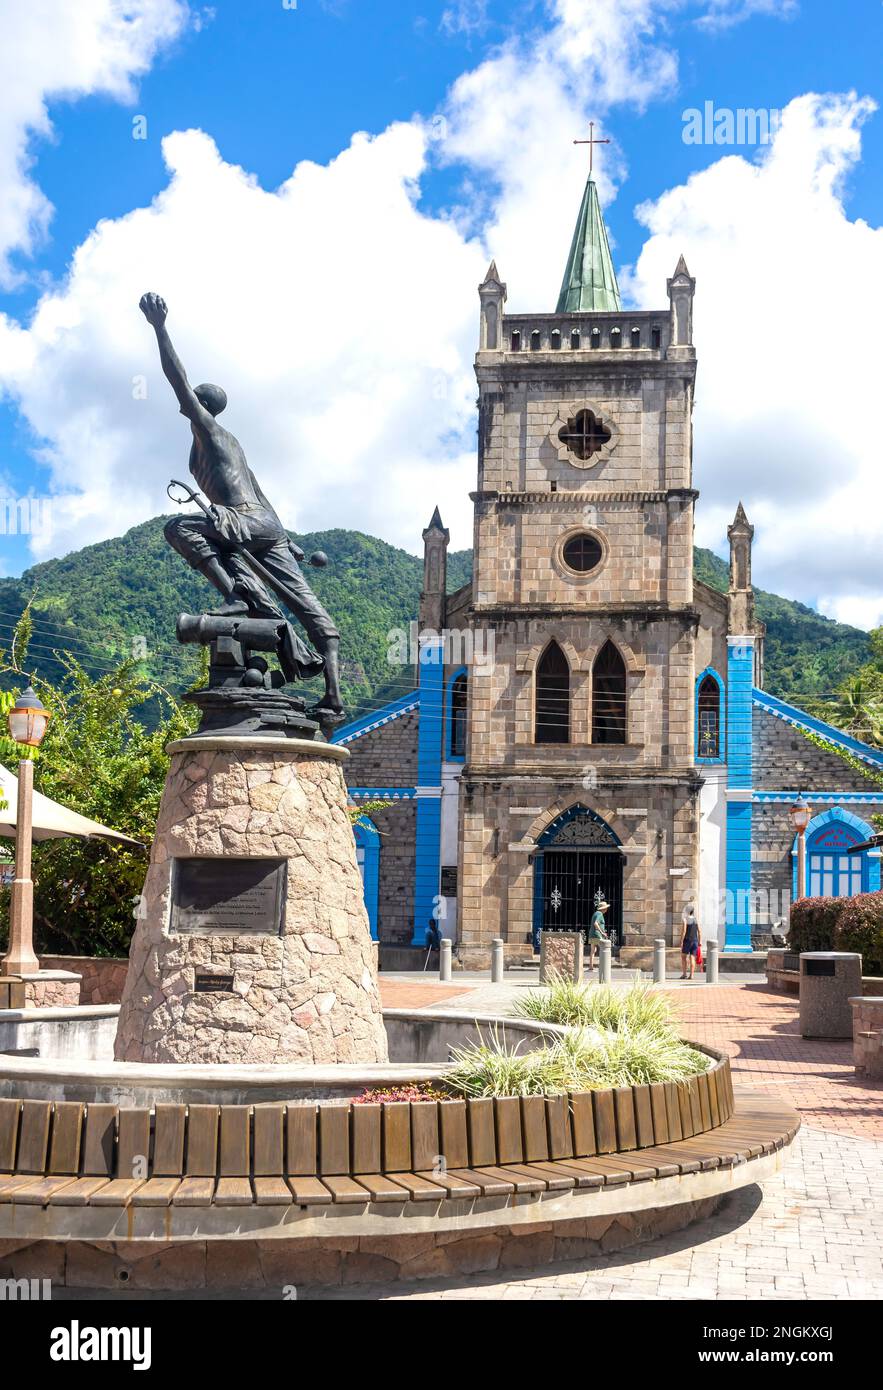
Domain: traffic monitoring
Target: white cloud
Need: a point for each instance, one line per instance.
(339, 319)
(723, 14)
(342, 320)
(60, 50)
(788, 304)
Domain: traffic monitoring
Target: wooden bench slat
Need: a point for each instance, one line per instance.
(704, 1101)
(9, 1182)
(168, 1142)
(233, 1191)
(494, 1182)
(482, 1137)
(507, 1123)
(307, 1191)
(631, 1165)
(116, 1193)
(10, 1112)
(533, 1127)
(600, 1165)
(334, 1140)
(682, 1090)
(583, 1123)
(396, 1127)
(695, 1107)
(421, 1189)
(624, 1106)
(454, 1138)
(67, 1129)
(668, 1154)
(425, 1141)
(34, 1136)
(272, 1192)
(78, 1192)
(558, 1126)
(561, 1169)
(643, 1116)
(196, 1192)
(302, 1146)
(660, 1114)
(380, 1187)
(38, 1191)
(605, 1121)
(346, 1189)
(156, 1192)
(235, 1158)
(133, 1145)
(713, 1102)
(367, 1124)
(455, 1187)
(203, 1123)
(673, 1112)
(269, 1141)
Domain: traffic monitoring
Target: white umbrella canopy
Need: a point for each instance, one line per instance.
(51, 820)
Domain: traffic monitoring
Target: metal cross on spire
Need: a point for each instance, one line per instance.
(591, 142)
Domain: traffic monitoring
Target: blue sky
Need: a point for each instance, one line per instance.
(274, 86)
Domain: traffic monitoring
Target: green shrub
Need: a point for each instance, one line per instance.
(841, 924)
(813, 924)
(599, 1006)
(584, 1059)
(860, 928)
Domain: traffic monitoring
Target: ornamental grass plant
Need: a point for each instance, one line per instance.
(600, 1006)
(583, 1059)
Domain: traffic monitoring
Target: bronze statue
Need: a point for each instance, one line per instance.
(239, 543)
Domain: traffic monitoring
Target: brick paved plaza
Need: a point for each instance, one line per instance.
(814, 1232)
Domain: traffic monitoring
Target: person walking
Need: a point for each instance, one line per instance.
(691, 941)
(597, 927)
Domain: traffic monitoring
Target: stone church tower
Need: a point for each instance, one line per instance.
(579, 773)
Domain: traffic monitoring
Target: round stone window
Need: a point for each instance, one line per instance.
(582, 553)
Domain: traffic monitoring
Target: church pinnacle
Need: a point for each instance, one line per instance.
(589, 282)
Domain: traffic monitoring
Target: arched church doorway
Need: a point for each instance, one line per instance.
(577, 856)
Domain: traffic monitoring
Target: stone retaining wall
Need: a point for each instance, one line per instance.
(103, 976)
(867, 1036)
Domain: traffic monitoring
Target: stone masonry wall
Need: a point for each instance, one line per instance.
(786, 761)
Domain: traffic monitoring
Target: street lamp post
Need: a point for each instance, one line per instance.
(800, 814)
(27, 722)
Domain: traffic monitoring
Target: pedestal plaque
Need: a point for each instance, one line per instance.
(228, 896)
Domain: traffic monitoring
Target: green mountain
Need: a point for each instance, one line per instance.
(121, 598)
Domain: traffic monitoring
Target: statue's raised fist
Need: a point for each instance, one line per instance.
(154, 309)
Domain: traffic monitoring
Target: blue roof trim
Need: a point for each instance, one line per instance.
(792, 715)
(821, 798)
(377, 718)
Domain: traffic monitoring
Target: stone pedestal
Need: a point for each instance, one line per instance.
(561, 953)
(301, 987)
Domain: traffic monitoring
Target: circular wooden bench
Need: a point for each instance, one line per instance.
(328, 1171)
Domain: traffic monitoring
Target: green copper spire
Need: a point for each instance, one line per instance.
(589, 280)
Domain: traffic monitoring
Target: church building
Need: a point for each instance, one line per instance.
(586, 715)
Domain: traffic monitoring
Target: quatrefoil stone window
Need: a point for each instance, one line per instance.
(583, 436)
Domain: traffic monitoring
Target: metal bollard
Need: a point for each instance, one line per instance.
(659, 962)
(497, 961)
(711, 963)
(444, 960)
(604, 963)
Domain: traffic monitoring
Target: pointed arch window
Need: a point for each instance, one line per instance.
(608, 696)
(708, 722)
(552, 717)
(458, 716)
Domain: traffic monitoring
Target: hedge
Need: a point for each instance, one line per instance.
(841, 924)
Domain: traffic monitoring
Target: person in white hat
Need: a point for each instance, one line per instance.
(597, 926)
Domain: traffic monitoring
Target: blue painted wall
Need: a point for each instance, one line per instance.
(740, 685)
(429, 766)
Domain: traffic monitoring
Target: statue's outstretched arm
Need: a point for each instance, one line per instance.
(155, 309)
